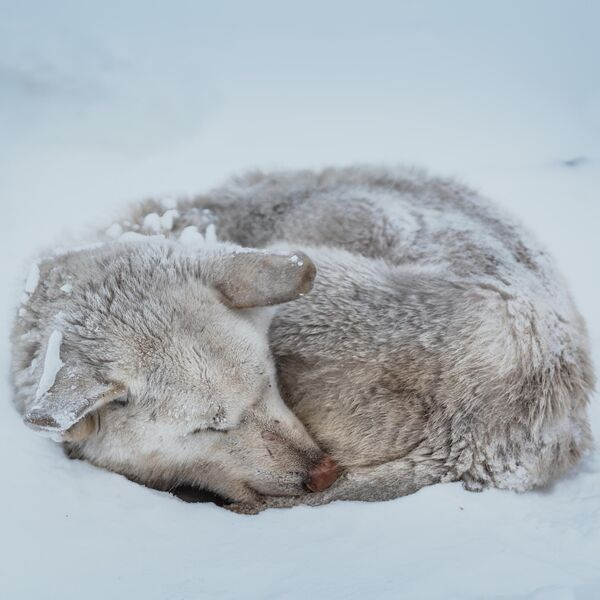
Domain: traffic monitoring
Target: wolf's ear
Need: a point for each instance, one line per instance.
(261, 278)
(75, 393)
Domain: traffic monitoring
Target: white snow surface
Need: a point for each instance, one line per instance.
(105, 103)
(191, 238)
(33, 278)
(210, 235)
(114, 231)
(152, 222)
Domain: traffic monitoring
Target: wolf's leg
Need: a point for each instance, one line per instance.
(421, 467)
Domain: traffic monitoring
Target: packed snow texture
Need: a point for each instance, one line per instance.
(105, 103)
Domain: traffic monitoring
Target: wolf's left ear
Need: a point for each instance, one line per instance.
(75, 393)
(262, 278)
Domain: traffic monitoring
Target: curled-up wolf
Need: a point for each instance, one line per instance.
(438, 343)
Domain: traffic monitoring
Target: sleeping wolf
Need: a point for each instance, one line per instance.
(438, 343)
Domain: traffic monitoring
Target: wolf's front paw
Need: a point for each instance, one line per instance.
(246, 508)
(283, 501)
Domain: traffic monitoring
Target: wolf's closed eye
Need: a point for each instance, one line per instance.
(123, 400)
(204, 429)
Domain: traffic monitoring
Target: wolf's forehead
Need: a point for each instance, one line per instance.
(208, 372)
(230, 342)
(219, 377)
(197, 396)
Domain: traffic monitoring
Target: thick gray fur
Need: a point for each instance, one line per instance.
(439, 343)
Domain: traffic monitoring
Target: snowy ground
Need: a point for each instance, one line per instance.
(105, 104)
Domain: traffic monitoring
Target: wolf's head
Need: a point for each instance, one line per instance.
(153, 361)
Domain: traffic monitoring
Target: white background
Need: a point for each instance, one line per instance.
(104, 103)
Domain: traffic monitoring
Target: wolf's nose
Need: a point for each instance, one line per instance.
(322, 475)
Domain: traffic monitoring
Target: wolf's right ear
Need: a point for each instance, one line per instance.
(255, 278)
(75, 393)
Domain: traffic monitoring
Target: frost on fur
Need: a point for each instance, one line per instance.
(52, 364)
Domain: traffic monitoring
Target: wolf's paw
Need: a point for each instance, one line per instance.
(473, 485)
(246, 508)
